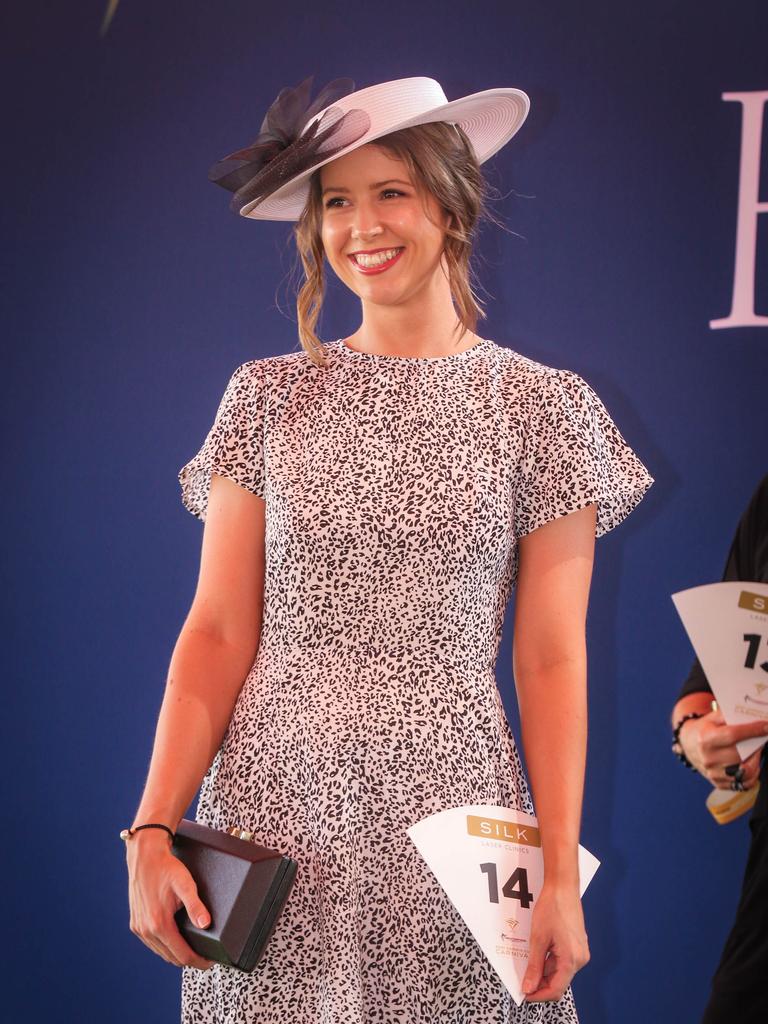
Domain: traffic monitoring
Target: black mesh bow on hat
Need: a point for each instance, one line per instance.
(281, 152)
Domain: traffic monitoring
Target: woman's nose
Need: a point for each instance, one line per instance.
(365, 225)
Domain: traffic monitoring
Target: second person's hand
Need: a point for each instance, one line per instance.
(709, 743)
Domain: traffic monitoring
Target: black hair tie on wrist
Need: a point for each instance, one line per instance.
(128, 832)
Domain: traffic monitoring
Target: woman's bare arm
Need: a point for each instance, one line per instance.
(213, 654)
(550, 668)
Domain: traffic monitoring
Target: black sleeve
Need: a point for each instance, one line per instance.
(741, 564)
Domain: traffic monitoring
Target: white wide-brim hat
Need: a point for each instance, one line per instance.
(294, 143)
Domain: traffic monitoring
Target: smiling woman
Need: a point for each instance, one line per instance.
(369, 505)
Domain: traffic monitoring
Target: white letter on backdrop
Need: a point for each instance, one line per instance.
(743, 302)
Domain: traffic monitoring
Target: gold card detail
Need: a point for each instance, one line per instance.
(753, 602)
(507, 831)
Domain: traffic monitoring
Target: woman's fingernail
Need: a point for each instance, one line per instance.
(202, 921)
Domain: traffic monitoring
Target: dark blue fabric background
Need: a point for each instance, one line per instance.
(130, 293)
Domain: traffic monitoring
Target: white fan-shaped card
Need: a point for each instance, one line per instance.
(728, 626)
(488, 859)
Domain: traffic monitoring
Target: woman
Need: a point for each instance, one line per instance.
(369, 505)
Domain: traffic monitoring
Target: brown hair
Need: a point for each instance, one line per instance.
(440, 159)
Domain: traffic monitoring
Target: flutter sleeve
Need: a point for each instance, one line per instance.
(234, 446)
(574, 455)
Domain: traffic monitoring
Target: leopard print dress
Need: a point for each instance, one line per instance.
(396, 489)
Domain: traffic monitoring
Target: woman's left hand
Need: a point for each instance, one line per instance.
(558, 945)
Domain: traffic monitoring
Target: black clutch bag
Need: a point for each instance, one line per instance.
(243, 885)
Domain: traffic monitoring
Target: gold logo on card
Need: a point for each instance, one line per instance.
(753, 602)
(507, 831)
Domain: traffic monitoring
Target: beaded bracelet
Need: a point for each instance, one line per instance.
(128, 832)
(677, 747)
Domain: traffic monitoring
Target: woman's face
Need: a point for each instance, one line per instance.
(370, 204)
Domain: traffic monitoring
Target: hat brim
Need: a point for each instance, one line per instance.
(489, 119)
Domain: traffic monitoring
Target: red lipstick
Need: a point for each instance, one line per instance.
(381, 267)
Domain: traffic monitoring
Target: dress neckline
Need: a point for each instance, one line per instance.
(466, 353)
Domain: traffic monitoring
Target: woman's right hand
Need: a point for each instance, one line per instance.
(158, 885)
(710, 745)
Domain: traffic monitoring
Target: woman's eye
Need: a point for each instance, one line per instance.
(386, 192)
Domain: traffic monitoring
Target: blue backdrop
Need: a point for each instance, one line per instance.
(130, 293)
